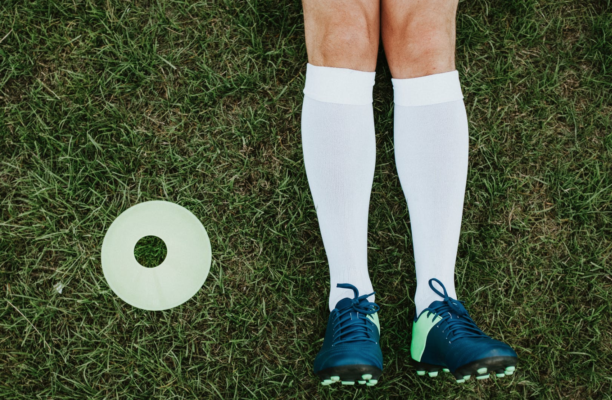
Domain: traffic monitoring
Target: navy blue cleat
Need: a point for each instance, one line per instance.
(351, 348)
(444, 337)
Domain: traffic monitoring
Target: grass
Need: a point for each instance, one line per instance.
(106, 104)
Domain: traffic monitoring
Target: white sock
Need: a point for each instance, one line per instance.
(340, 154)
(431, 152)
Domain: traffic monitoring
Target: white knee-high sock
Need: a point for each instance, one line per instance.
(340, 153)
(431, 153)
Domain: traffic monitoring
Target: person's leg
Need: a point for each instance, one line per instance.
(431, 151)
(431, 132)
(338, 131)
(339, 153)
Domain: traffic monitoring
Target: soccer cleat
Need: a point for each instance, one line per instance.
(444, 337)
(351, 348)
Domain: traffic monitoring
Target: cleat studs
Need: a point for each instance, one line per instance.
(421, 373)
(372, 382)
(511, 368)
(460, 380)
(348, 382)
(433, 374)
(467, 377)
(445, 369)
(362, 382)
(335, 378)
(500, 375)
(482, 371)
(508, 372)
(481, 377)
(366, 377)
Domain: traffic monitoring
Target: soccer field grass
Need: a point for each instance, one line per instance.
(108, 103)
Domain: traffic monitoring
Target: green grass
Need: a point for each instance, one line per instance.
(107, 103)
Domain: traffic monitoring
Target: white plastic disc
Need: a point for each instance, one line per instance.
(178, 277)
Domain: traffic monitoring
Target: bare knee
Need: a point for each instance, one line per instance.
(342, 38)
(420, 41)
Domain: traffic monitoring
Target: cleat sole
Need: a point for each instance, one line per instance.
(482, 369)
(349, 374)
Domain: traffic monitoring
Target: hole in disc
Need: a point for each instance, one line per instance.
(150, 251)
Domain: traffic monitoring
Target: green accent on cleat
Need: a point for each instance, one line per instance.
(421, 373)
(511, 368)
(460, 380)
(445, 369)
(509, 372)
(335, 378)
(481, 377)
(500, 375)
(467, 377)
(372, 382)
(348, 382)
(433, 374)
(326, 382)
(482, 371)
(362, 382)
(366, 377)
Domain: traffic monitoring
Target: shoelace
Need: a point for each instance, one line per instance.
(351, 323)
(459, 324)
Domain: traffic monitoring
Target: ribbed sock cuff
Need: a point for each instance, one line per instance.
(339, 85)
(427, 90)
